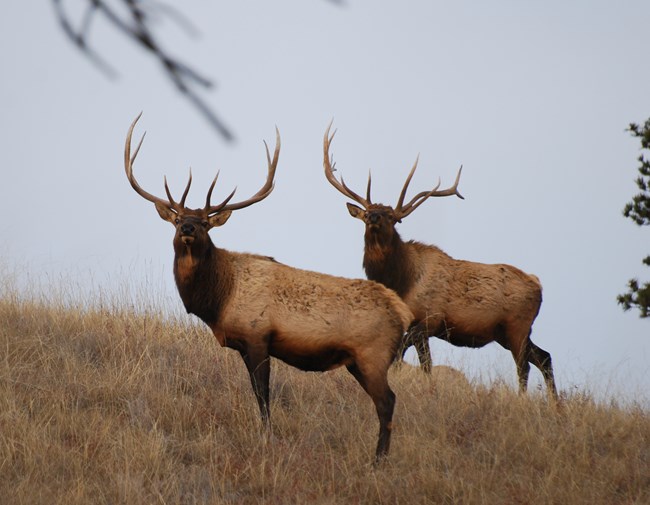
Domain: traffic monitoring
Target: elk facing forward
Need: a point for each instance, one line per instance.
(466, 303)
(262, 308)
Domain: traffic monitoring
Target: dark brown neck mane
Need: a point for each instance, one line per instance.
(386, 261)
(203, 279)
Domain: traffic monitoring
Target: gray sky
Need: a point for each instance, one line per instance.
(531, 97)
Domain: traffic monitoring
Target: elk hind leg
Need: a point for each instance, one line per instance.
(542, 360)
(374, 380)
(518, 346)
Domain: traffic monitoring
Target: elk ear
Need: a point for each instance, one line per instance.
(165, 213)
(219, 218)
(355, 211)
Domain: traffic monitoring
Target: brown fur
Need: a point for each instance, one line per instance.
(312, 321)
(466, 303)
(262, 308)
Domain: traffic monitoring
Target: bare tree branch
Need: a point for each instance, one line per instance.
(79, 40)
(136, 26)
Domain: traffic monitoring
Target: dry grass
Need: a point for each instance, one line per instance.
(106, 405)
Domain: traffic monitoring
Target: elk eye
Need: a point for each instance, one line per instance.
(177, 221)
(204, 224)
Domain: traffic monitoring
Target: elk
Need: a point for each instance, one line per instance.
(465, 303)
(262, 308)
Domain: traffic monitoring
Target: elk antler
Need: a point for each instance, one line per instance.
(401, 211)
(210, 209)
(329, 166)
(128, 168)
(260, 195)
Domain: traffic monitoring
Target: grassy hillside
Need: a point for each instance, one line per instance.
(103, 405)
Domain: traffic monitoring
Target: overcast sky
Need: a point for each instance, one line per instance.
(532, 98)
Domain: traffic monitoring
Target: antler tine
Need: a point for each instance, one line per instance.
(453, 190)
(128, 168)
(329, 165)
(207, 200)
(214, 181)
(421, 197)
(367, 188)
(400, 201)
(187, 190)
(169, 193)
(264, 191)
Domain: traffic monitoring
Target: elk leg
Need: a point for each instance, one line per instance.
(513, 338)
(523, 369)
(424, 354)
(405, 342)
(354, 370)
(542, 360)
(401, 351)
(418, 337)
(258, 364)
(519, 352)
(376, 385)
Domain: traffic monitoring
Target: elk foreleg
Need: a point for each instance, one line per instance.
(418, 337)
(374, 381)
(258, 363)
(424, 354)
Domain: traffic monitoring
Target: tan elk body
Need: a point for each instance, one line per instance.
(466, 303)
(309, 320)
(262, 308)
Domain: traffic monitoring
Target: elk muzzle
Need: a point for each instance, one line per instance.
(374, 221)
(186, 231)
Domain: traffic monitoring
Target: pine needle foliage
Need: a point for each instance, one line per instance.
(638, 210)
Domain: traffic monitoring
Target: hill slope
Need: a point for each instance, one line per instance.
(103, 405)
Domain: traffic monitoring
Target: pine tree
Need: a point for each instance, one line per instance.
(638, 210)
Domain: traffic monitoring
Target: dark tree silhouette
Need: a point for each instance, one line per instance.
(639, 211)
(134, 20)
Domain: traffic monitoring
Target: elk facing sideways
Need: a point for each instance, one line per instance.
(466, 303)
(262, 308)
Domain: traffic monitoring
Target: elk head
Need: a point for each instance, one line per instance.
(380, 219)
(192, 225)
